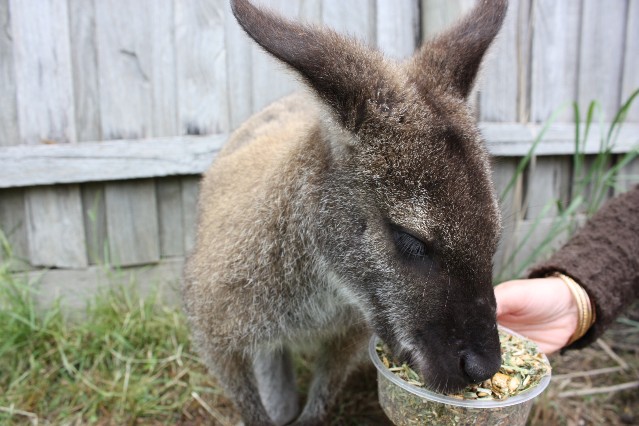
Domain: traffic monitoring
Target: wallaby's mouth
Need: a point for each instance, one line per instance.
(448, 365)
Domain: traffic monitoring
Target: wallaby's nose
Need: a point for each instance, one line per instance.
(480, 367)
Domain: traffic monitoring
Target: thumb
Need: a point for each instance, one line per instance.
(510, 298)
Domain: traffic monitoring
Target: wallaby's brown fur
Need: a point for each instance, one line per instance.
(366, 207)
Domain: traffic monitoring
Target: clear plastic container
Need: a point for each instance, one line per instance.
(406, 404)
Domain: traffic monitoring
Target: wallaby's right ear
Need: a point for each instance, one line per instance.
(348, 76)
(450, 62)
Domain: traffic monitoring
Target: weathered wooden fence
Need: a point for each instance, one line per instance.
(109, 110)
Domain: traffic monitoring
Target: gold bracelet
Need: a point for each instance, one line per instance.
(585, 309)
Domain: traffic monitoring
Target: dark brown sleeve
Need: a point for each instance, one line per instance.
(603, 257)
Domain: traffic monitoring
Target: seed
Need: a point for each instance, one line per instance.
(513, 383)
(500, 381)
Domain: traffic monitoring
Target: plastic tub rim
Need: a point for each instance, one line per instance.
(470, 403)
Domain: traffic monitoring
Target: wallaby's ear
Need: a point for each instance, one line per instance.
(348, 76)
(450, 62)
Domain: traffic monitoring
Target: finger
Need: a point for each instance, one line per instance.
(510, 298)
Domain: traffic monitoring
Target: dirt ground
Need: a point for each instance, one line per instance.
(598, 385)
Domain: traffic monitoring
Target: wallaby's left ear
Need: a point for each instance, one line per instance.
(450, 62)
(346, 75)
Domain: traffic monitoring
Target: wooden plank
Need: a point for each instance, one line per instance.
(171, 219)
(73, 289)
(631, 60)
(190, 191)
(272, 80)
(398, 29)
(109, 160)
(121, 160)
(163, 69)
(14, 227)
(549, 181)
(201, 67)
(523, 246)
(124, 54)
(95, 224)
(132, 223)
(8, 109)
(438, 15)
(508, 139)
(555, 56)
(42, 56)
(55, 227)
(503, 81)
(239, 70)
(85, 70)
(43, 65)
(354, 17)
(601, 54)
(628, 177)
(504, 169)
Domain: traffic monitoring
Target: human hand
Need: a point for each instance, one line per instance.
(542, 309)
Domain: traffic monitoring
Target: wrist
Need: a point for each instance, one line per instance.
(585, 308)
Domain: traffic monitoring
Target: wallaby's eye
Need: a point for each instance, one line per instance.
(410, 246)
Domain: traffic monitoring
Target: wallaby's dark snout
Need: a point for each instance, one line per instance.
(364, 205)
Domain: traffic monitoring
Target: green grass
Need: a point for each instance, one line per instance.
(593, 179)
(127, 360)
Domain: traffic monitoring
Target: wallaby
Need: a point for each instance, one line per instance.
(364, 206)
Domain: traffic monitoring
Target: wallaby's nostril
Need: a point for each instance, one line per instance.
(478, 367)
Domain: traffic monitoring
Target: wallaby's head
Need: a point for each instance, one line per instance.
(408, 222)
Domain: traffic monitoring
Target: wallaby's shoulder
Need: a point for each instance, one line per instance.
(282, 122)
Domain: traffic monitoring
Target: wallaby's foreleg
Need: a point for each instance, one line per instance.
(338, 358)
(276, 384)
(234, 372)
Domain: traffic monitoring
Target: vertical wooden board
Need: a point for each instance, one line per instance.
(353, 17)
(591, 191)
(124, 57)
(549, 180)
(190, 191)
(555, 57)
(502, 82)
(397, 27)
(201, 67)
(40, 31)
(504, 169)
(631, 61)
(311, 11)
(163, 69)
(8, 113)
(94, 213)
(440, 14)
(239, 70)
(132, 222)
(272, 80)
(171, 218)
(628, 177)
(601, 54)
(534, 241)
(85, 70)
(55, 227)
(13, 225)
